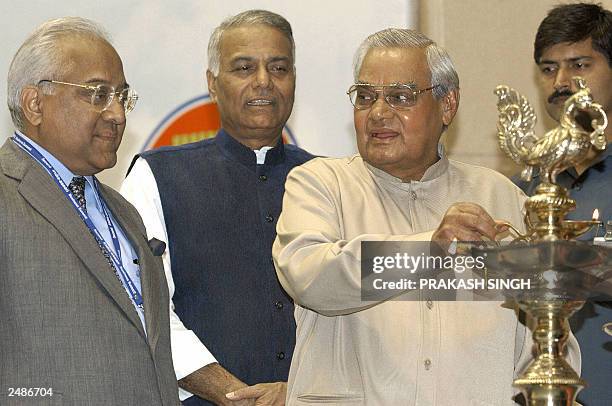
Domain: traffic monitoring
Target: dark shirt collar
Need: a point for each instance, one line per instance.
(605, 154)
(573, 175)
(245, 155)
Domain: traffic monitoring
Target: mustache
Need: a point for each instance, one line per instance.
(559, 93)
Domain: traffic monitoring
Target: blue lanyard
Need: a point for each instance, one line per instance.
(115, 254)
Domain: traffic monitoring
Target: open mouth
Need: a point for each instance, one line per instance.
(259, 102)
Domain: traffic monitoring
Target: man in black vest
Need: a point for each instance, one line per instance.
(576, 40)
(215, 203)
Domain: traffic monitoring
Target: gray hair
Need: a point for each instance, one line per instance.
(441, 67)
(40, 58)
(246, 18)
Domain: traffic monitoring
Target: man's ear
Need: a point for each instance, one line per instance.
(31, 104)
(450, 104)
(212, 85)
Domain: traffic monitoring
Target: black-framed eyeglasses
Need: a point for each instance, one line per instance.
(398, 95)
(101, 96)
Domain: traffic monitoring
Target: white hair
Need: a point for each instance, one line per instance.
(443, 74)
(246, 18)
(39, 58)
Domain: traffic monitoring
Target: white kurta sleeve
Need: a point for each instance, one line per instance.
(140, 189)
(317, 267)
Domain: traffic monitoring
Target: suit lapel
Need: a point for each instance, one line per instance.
(41, 192)
(149, 279)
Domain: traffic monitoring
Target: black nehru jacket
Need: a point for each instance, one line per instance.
(220, 209)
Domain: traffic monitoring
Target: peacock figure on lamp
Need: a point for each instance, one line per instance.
(562, 147)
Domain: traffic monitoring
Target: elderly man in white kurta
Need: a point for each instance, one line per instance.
(399, 187)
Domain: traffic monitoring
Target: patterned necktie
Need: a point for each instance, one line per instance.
(77, 189)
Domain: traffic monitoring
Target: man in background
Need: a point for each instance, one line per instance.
(215, 203)
(576, 40)
(81, 294)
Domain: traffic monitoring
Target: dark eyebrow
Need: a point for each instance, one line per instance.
(273, 59)
(241, 59)
(278, 59)
(579, 58)
(96, 81)
(575, 59)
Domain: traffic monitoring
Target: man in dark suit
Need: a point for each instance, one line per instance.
(83, 300)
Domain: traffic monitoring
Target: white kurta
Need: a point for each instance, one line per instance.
(394, 352)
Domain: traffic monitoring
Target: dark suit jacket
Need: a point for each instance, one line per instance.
(66, 323)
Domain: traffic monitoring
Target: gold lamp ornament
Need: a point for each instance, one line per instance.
(561, 148)
(563, 272)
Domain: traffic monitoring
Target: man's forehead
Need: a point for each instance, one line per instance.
(567, 51)
(92, 59)
(394, 65)
(81, 44)
(254, 40)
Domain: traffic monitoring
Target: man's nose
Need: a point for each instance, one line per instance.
(380, 108)
(563, 79)
(262, 77)
(115, 111)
